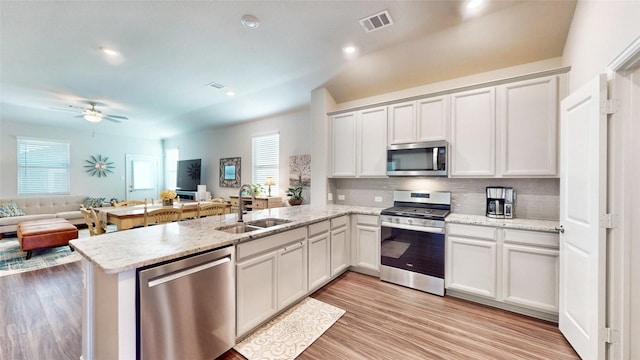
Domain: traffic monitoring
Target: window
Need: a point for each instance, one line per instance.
(266, 160)
(171, 168)
(43, 166)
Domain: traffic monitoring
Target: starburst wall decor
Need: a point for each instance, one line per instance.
(99, 166)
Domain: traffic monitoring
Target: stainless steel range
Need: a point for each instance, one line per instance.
(412, 240)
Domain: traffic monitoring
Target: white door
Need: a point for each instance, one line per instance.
(142, 177)
(583, 176)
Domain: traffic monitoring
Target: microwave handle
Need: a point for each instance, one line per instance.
(435, 159)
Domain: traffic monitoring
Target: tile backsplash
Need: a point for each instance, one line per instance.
(535, 198)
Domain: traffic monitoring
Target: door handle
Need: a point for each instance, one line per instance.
(560, 229)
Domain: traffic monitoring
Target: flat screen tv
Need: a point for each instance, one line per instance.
(188, 175)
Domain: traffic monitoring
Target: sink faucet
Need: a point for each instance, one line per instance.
(241, 203)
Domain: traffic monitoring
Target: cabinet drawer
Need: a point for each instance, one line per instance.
(270, 242)
(318, 228)
(260, 204)
(368, 220)
(338, 222)
(473, 231)
(534, 238)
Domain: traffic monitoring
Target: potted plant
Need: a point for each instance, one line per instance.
(295, 195)
(167, 197)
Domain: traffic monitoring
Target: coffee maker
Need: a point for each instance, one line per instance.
(500, 202)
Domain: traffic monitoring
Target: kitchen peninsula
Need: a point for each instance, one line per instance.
(110, 263)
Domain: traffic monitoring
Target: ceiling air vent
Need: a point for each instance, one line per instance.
(377, 21)
(215, 85)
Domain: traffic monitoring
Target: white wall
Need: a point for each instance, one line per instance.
(235, 141)
(83, 144)
(600, 30)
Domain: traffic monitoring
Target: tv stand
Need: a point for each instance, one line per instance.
(191, 195)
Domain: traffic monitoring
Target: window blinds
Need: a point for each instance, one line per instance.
(266, 160)
(43, 166)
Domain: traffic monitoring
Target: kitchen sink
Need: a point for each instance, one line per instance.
(269, 222)
(239, 228)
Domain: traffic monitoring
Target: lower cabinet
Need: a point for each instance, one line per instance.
(366, 244)
(514, 269)
(271, 273)
(339, 244)
(319, 254)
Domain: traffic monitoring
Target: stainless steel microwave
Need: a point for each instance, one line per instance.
(417, 159)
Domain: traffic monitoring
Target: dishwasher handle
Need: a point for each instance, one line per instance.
(188, 271)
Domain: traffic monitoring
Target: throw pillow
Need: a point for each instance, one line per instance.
(10, 208)
(90, 202)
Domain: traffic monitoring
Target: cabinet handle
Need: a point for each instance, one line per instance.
(560, 229)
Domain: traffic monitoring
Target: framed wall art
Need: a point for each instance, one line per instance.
(230, 172)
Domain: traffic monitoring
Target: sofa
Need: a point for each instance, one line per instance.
(43, 207)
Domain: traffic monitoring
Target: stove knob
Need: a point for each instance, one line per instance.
(409, 221)
(396, 220)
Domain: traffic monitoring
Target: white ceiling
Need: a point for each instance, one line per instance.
(50, 57)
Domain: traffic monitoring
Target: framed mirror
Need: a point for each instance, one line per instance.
(230, 172)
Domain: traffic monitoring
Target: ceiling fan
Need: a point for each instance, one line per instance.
(93, 115)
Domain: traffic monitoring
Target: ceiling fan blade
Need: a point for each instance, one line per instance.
(112, 119)
(116, 117)
(74, 109)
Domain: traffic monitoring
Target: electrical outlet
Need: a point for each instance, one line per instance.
(377, 199)
(341, 197)
(329, 197)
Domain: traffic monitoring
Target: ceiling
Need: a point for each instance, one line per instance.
(50, 55)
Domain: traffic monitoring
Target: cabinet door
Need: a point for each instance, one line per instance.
(367, 243)
(530, 277)
(433, 119)
(529, 122)
(343, 144)
(292, 273)
(473, 128)
(372, 147)
(256, 301)
(339, 246)
(319, 256)
(402, 123)
(472, 265)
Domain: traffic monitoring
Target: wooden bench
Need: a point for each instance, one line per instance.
(40, 234)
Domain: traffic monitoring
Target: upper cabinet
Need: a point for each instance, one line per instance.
(508, 130)
(359, 146)
(421, 120)
(528, 118)
(473, 133)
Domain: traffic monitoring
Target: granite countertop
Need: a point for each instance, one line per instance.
(517, 223)
(120, 251)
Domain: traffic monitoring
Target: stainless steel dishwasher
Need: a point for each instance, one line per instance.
(186, 308)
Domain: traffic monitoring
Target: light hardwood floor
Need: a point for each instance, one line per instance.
(40, 319)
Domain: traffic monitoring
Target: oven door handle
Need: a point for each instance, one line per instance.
(429, 229)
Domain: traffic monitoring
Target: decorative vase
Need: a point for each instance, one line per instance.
(167, 202)
(295, 202)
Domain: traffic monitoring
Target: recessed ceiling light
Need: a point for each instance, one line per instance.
(474, 4)
(349, 49)
(250, 21)
(108, 51)
(230, 93)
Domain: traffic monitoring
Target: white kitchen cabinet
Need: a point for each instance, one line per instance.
(517, 270)
(372, 149)
(343, 144)
(366, 244)
(473, 133)
(319, 254)
(471, 259)
(256, 289)
(530, 264)
(528, 122)
(420, 120)
(358, 143)
(339, 245)
(292, 273)
(271, 273)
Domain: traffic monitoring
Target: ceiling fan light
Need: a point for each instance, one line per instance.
(94, 118)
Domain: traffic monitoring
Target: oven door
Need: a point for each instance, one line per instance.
(413, 249)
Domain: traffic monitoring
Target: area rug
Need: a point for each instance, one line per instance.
(289, 334)
(12, 258)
